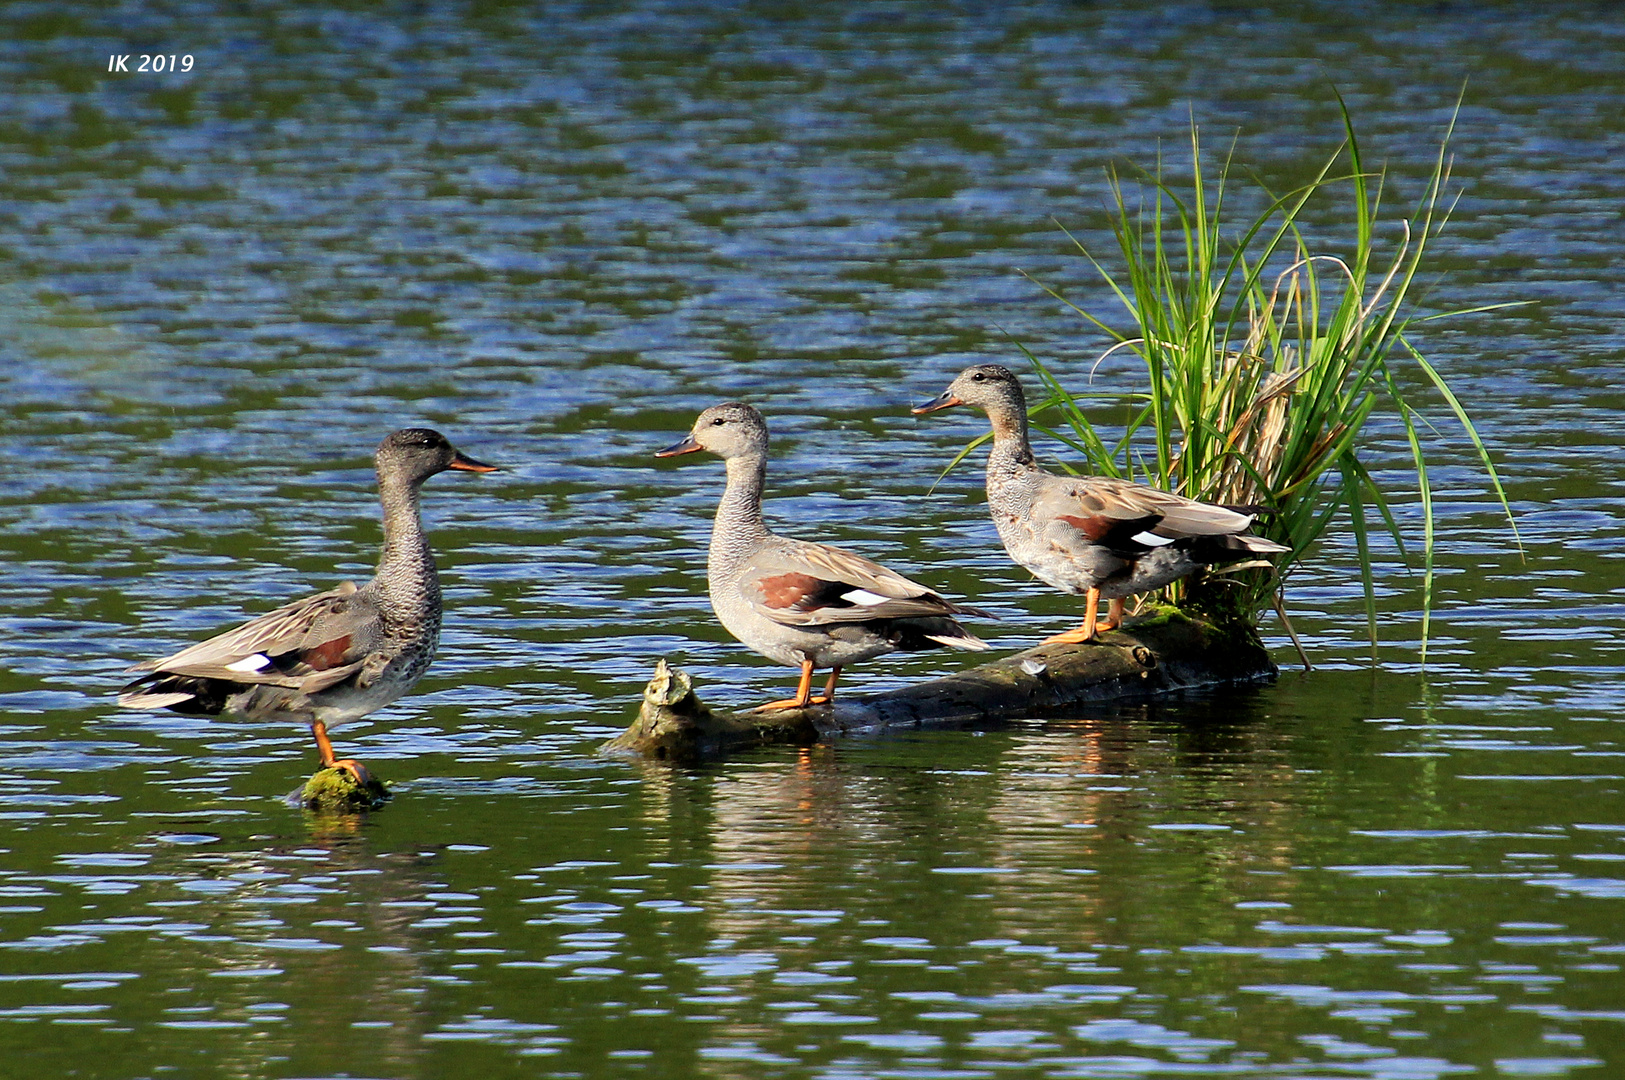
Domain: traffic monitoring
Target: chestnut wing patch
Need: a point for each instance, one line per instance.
(801, 592)
(326, 656)
(1118, 534)
(329, 654)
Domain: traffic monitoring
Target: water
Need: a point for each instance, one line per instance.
(557, 235)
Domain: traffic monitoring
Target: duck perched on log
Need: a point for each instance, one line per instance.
(337, 655)
(1091, 535)
(797, 602)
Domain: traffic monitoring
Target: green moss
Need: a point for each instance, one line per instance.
(1216, 599)
(1157, 614)
(336, 791)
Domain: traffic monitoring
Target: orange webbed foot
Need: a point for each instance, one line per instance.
(355, 769)
(792, 703)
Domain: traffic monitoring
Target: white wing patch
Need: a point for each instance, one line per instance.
(864, 597)
(1151, 539)
(256, 662)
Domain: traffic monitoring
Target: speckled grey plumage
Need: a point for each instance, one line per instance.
(1089, 532)
(797, 601)
(340, 654)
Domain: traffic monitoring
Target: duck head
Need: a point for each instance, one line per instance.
(415, 454)
(732, 429)
(993, 388)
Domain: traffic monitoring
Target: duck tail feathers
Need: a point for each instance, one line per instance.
(147, 699)
(974, 612)
(184, 694)
(1258, 545)
(964, 640)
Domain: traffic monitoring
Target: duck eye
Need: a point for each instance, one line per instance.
(718, 422)
(978, 377)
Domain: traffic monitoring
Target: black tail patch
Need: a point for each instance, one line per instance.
(208, 696)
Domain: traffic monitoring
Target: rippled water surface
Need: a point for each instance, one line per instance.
(558, 232)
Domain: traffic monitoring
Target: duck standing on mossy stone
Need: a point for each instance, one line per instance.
(800, 603)
(1091, 535)
(337, 655)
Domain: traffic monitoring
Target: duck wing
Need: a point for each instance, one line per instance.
(800, 583)
(308, 645)
(1132, 518)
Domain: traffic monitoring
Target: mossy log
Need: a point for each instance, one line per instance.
(1165, 653)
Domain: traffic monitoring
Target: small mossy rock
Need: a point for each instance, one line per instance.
(336, 791)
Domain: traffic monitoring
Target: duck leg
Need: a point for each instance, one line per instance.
(1114, 616)
(803, 696)
(1086, 632)
(324, 746)
(829, 688)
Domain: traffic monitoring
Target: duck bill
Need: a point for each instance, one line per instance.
(687, 446)
(945, 400)
(463, 463)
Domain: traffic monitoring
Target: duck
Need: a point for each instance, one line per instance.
(799, 602)
(340, 654)
(1093, 536)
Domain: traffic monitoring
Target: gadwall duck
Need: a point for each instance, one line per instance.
(1090, 534)
(794, 601)
(337, 655)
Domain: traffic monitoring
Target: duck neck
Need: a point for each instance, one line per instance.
(1012, 452)
(406, 579)
(739, 523)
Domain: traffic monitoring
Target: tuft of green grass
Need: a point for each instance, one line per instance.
(1264, 360)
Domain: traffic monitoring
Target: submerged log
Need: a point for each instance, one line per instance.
(1165, 653)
